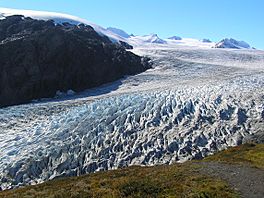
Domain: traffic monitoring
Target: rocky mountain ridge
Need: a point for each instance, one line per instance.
(232, 43)
(39, 58)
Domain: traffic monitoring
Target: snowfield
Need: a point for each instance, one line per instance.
(195, 101)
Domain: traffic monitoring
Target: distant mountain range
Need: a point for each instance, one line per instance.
(117, 35)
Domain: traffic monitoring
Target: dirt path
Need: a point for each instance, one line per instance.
(248, 181)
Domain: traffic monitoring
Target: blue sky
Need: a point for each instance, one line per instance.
(213, 19)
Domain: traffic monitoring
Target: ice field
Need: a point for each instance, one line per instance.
(195, 101)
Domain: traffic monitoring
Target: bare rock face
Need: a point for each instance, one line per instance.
(37, 58)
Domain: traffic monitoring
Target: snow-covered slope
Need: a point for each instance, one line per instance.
(232, 43)
(147, 39)
(154, 41)
(119, 32)
(193, 102)
(189, 42)
(59, 18)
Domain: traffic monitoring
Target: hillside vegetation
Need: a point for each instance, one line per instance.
(177, 180)
(251, 154)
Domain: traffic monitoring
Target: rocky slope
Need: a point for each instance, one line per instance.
(39, 58)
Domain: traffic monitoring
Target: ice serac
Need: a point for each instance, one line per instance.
(232, 43)
(38, 58)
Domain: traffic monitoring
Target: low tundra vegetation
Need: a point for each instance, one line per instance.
(166, 181)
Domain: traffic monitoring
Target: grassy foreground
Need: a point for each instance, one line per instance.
(250, 153)
(177, 180)
(160, 181)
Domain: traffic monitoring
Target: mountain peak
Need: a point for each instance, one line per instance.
(154, 38)
(176, 38)
(206, 41)
(232, 43)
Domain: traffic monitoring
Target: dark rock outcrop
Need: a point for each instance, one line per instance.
(37, 58)
(126, 45)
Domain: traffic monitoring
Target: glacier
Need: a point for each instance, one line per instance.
(194, 102)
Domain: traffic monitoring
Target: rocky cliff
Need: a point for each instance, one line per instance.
(37, 58)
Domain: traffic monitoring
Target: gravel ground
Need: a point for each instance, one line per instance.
(248, 181)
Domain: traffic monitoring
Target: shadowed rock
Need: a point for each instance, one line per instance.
(37, 58)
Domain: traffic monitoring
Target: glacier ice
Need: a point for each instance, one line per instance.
(193, 102)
